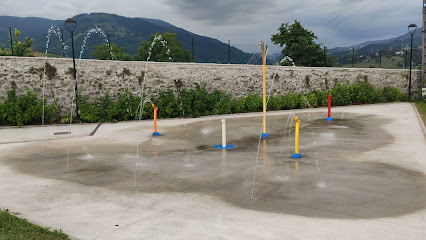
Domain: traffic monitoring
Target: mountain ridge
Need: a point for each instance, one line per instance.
(129, 32)
(123, 31)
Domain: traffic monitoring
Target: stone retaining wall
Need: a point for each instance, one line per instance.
(95, 77)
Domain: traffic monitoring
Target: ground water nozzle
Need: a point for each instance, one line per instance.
(296, 141)
(264, 54)
(329, 118)
(224, 145)
(155, 133)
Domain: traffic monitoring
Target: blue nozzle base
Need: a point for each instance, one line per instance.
(329, 119)
(296, 155)
(155, 134)
(265, 135)
(228, 146)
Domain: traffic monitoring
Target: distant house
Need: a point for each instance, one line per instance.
(399, 53)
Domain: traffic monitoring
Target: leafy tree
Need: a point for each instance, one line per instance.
(19, 48)
(163, 48)
(102, 52)
(300, 46)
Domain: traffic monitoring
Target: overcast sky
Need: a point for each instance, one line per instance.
(246, 22)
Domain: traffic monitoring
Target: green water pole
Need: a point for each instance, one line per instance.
(11, 40)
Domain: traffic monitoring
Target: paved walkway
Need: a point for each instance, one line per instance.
(94, 212)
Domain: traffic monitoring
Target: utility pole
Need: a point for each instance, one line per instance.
(229, 51)
(380, 56)
(406, 55)
(423, 43)
(11, 40)
(353, 56)
(325, 56)
(192, 52)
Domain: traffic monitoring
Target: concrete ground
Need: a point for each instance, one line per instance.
(361, 177)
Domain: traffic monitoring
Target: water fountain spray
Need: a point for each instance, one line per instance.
(141, 106)
(55, 31)
(99, 31)
(287, 59)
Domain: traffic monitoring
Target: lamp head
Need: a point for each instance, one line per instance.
(71, 24)
(412, 28)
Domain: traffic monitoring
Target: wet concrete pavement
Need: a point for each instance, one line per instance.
(331, 181)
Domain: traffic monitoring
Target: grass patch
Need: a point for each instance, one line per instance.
(421, 107)
(12, 227)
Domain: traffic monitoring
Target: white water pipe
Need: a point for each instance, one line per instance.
(223, 133)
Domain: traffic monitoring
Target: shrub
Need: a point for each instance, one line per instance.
(393, 94)
(322, 97)
(185, 102)
(168, 106)
(11, 113)
(239, 105)
(105, 108)
(341, 95)
(253, 102)
(200, 102)
(313, 99)
(303, 101)
(290, 100)
(365, 93)
(275, 102)
(220, 102)
(127, 106)
(26, 109)
(86, 110)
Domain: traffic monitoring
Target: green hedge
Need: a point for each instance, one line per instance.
(26, 109)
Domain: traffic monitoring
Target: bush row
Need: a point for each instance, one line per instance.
(26, 109)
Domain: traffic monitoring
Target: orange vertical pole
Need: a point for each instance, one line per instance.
(155, 121)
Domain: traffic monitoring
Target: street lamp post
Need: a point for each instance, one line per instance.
(71, 25)
(412, 29)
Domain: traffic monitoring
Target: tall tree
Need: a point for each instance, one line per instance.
(103, 52)
(163, 48)
(300, 46)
